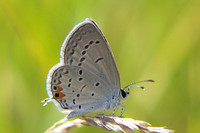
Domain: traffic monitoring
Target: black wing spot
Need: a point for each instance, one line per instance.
(69, 85)
(92, 94)
(56, 94)
(79, 106)
(80, 72)
(91, 42)
(74, 101)
(79, 64)
(80, 79)
(99, 59)
(87, 46)
(78, 95)
(82, 59)
(97, 84)
(55, 88)
(70, 80)
(84, 52)
(54, 81)
(97, 42)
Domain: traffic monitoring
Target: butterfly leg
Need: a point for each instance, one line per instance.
(115, 110)
(104, 110)
(103, 114)
(116, 107)
(123, 109)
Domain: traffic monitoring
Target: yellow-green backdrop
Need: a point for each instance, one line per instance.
(154, 39)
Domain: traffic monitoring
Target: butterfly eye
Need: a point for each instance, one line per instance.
(123, 93)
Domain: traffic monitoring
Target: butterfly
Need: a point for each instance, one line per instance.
(86, 79)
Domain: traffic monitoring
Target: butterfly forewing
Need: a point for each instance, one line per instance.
(87, 47)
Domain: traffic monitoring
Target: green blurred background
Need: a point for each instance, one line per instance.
(154, 39)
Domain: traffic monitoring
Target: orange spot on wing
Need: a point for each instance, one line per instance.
(61, 95)
(59, 89)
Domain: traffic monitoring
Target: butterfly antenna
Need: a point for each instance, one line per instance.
(130, 85)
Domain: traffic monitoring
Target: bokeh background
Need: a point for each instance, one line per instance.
(154, 39)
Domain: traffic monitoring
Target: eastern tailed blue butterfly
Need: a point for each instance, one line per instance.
(86, 79)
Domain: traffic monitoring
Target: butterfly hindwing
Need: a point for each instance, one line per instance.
(75, 88)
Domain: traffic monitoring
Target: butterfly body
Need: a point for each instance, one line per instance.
(86, 79)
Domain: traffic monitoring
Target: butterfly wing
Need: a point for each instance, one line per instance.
(87, 75)
(87, 47)
(70, 90)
